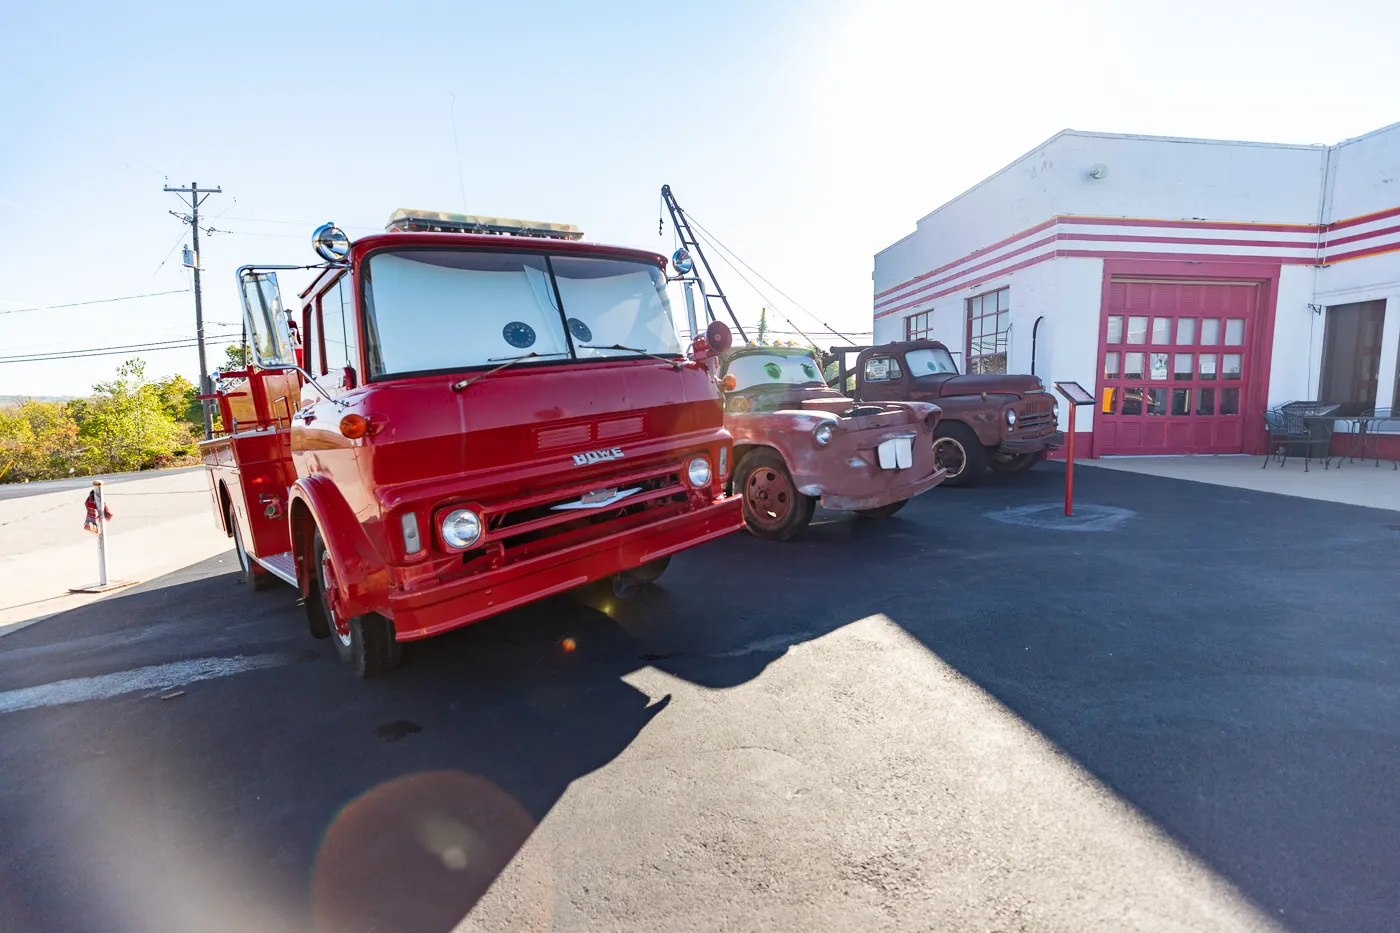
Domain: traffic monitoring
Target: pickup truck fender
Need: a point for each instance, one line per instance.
(315, 502)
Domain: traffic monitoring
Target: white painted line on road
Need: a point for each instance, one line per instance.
(157, 677)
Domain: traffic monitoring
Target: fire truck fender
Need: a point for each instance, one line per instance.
(315, 502)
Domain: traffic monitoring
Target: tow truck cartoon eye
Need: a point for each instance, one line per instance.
(773, 370)
(598, 456)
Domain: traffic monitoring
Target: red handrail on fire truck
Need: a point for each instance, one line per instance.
(473, 413)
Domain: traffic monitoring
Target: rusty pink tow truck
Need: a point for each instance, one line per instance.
(798, 443)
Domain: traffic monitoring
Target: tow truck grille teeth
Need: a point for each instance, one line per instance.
(1034, 414)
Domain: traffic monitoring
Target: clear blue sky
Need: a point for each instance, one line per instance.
(805, 135)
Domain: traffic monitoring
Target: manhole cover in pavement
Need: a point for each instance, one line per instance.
(1052, 517)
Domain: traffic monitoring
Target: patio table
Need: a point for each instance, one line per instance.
(1363, 442)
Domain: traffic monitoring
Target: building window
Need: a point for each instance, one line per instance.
(988, 327)
(919, 326)
(1351, 356)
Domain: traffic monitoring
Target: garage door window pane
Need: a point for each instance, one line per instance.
(1132, 365)
(1205, 401)
(1110, 400)
(1181, 401)
(1156, 401)
(1110, 365)
(1230, 366)
(1210, 331)
(1132, 401)
(1137, 330)
(1161, 330)
(1234, 332)
(1229, 401)
(1184, 369)
(1159, 365)
(1208, 365)
(1115, 329)
(1186, 331)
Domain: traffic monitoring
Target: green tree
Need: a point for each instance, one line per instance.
(38, 440)
(180, 399)
(233, 357)
(763, 327)
(126, 426)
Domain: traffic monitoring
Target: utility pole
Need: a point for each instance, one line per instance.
(194, 200)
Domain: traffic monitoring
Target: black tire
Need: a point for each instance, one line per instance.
(367, 641)
(884, 511)
(626, 584)
(773, 508)
(1017, 464)
(248, 569)
(956, 448)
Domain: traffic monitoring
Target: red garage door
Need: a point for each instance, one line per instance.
(1175, 362)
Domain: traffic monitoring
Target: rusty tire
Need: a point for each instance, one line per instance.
(366, 641)
(884, 511)
(957, 450)
(773, 508)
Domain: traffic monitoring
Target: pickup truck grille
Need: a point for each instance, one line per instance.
(1035, 416)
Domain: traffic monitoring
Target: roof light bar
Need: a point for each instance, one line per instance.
(405, 220)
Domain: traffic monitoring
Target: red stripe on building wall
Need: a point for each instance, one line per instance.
(1194, 224)
(956, 262)
(971, 269)
(1186, 257)
(1376, 250)
(1364, 218)
(1383, 231)
(948, 291)
(1202, 241)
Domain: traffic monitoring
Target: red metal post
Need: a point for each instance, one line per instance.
(1069, 464)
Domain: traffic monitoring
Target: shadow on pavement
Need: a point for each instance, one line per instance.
(1222, 660)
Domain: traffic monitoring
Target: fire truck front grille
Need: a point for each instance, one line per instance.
(528, 527)
(1035, 415)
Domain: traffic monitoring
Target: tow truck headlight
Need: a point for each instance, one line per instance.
(822, 435)
(461, 528)
(1010, 418)
(1055, 408)
(698, 472)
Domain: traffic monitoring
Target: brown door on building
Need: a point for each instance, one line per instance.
(1351, 356)
(1175, 364)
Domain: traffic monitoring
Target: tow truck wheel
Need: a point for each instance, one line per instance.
(957, 450)
(884, 511)
(249, 570)
(365, 642)
(773, 508)
(1017, 464)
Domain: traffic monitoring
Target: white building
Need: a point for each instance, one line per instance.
(1190, 283)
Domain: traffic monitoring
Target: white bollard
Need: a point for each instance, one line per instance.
(103, 584)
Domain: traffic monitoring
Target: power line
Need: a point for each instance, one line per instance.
(97, 301)
(720, 252)
(149, 347)
(194, 201)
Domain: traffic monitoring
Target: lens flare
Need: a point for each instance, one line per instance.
(568, 645)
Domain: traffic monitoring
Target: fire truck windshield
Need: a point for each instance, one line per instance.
(454, 310)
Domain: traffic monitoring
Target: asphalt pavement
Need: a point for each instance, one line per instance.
(1180, 711)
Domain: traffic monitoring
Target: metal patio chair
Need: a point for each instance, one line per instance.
(1296, 427)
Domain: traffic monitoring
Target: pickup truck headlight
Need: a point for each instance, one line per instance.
(822, 434)
(1010, 418)
(461, 528)
(698, 472)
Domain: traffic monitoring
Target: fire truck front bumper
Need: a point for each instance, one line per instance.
(428, 611)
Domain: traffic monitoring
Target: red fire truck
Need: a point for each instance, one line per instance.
(468, 414)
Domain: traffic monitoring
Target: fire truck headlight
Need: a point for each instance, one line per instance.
(412, 541)
(461, 528)
(822, 435)
(698, 472)
(723, 462)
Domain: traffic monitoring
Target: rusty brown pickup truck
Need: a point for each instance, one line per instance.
(798, 443)
(1001, 421)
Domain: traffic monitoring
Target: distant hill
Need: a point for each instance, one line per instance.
(7, 401)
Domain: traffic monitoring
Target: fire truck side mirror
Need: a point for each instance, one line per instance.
(268, 336)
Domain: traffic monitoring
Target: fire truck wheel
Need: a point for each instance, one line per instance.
(249, 570)
(773, 508)
(884, 511)
(957, 450)
(365, 642)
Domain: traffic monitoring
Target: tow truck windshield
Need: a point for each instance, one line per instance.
(928, 362)
(756, 370)
(454, 310)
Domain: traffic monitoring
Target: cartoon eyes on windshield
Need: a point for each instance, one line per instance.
(932, 366)
(809, 370)
(773, 370)
(580, 330)
(518, 334)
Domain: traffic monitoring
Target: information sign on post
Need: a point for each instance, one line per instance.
(1076, 395)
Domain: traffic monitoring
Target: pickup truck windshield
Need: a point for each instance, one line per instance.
(771, 369)
(930, 362)
(448, 310)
